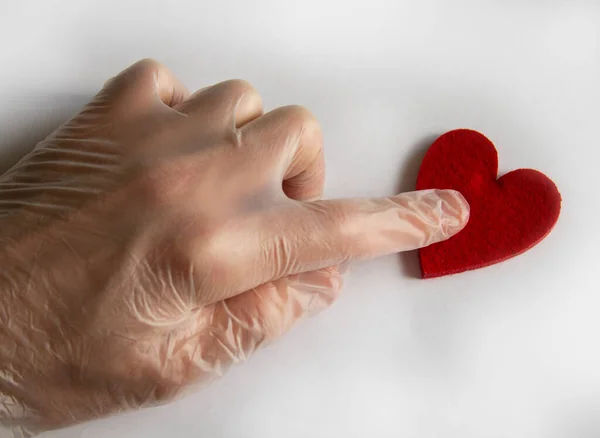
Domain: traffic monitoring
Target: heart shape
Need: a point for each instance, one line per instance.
(509, 215)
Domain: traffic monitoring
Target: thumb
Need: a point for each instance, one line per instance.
(306, 236)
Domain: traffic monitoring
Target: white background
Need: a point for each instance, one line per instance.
(508, 351)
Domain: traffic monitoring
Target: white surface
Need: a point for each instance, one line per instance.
(508, 351)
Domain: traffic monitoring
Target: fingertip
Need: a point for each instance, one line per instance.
(438, 214)
(455, 210)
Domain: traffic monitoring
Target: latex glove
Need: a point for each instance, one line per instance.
(157, 238)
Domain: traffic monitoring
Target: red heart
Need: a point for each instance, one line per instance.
(509, 215)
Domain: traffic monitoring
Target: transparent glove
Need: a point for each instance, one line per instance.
(157, 238)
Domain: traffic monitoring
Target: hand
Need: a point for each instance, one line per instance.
(157, 238)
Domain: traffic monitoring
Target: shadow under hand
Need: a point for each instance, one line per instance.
(409, 260)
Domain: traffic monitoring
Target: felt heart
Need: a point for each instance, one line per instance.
(509, 215)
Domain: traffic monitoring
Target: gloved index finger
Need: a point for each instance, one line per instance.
(327, 233)
(306, 236)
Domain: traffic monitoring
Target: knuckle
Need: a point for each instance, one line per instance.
(143, 72)
(149, 65)
(209, 250)
(239, 87)
(302, 117)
